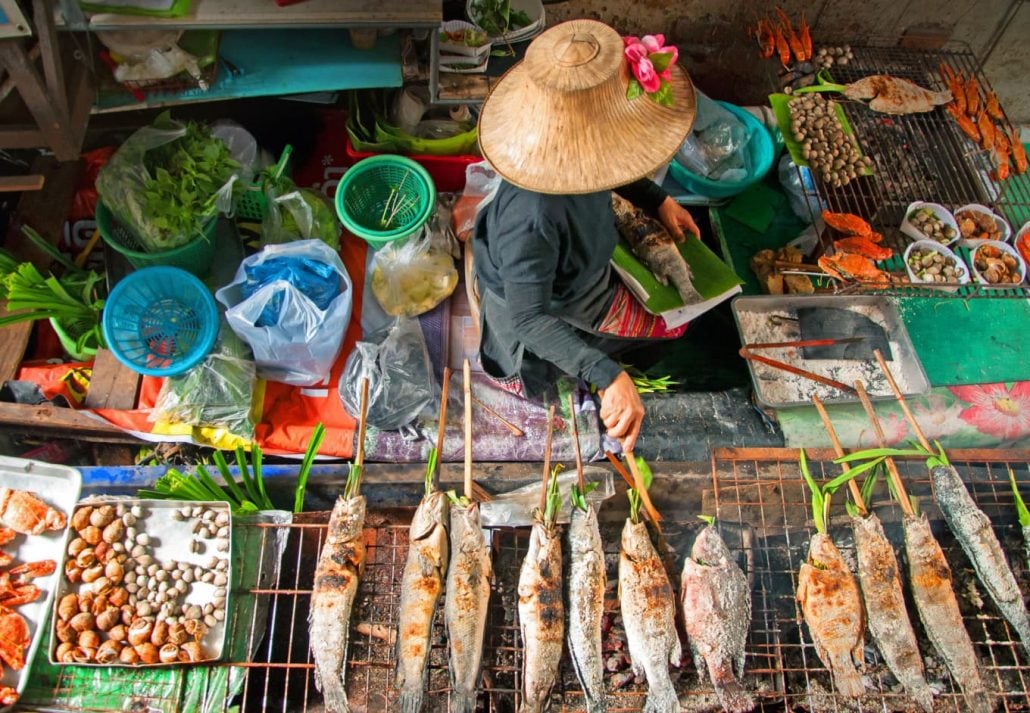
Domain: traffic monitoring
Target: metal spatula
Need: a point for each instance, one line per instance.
(857, 337)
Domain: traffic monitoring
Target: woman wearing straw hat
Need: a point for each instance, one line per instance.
(585, 113)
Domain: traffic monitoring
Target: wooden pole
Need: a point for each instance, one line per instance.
(892, 469)
(856, 493)
(466, 373)
(547, 458)
(442, 426)
(902, 403)
(580, 478)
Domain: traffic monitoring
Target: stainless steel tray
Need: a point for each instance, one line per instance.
(171, 539)
(58, 486)
(775, 388)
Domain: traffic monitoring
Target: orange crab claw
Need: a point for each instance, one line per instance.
(30, 570)
(861, 245)
(847, 223)
(22, 594)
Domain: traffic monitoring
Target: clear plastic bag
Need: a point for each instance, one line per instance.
(303, 343)
(395, 361)
(799, 186)
(413, 278)
(717, 146)
(298, 214)
(481, 184)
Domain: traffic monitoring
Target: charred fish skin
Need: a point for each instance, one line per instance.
(649, 617)
(930, 578)
(340, 566)
(587, 579)
(717, 615)
(421, 587)
(1026, 543)
(832, 608)
(888, 619)
(972, 528)
(541, 617)
(466, 605)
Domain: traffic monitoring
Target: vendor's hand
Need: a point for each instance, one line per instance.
(622, 410)
(677, 219)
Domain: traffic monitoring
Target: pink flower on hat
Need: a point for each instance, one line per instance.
(650, 60)
(647, 76)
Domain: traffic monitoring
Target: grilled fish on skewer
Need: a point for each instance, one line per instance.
(885, 608)
(421, 586)
(648, 614)
(930, 577)
(339, 568)
(972, 529)
(716, 614)
(587, 580)
(833, 611)
(541, 616)
(465, 608)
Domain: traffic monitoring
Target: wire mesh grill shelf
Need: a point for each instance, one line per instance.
(920, 157)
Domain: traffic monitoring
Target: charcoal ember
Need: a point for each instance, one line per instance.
(621, 680)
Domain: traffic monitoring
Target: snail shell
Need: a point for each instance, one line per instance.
(139, 632)
(107, 619)
(128, 656)
(196, 628)
(82, 655)
(72, 571)
(89, 639)
(90, 574)
(148, 653)
(102, 516)
(68, 656)
(159, 635)
(128, 614)
(68, 606)
(99, 604)
(86, 601)
(103, 552)
(114, 571)
(118, 633)
(92, 534)
(118, 596)
(177, 634)
(108, 652)
(65, 633)
(113, 532)
(87, 557)
(102, 585)
(80, 520)
(82, 621)
(169, 653)
(190, 652)
(63, 650)
(76, 546)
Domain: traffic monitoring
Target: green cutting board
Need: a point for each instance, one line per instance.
(969, 341)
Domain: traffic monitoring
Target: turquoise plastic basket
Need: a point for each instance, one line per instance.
(385, 198)
(160, 321)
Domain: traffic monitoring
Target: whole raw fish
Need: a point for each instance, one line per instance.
(930, 577)
(717, 614)
(653, 245)
(587, 580)
(885, 608)
(421, 587)
(339, 568)
(649, 616)
(833, 611)
(972, 529)
(465, 608)
(541, 617)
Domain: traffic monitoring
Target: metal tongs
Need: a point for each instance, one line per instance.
(746, 352)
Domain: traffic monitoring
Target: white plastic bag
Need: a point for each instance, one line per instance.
(717, 146)
(481, 184)
(413, 278)
(301, 347)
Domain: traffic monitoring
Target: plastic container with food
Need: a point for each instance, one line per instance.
(978, 222)
(930, 221)
(928, 262)
(997, 264)
(1022, 242)
(464, 38)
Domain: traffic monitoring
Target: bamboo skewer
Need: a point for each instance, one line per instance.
(620, 468)
(466, 373)
(892, 469)
(515, 430)
(856, 493)
(547, 458)
(442, 426)
(920, 436)
(581, 479)
(359, 455)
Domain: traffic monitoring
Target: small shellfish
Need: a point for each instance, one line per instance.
(102, 585)
(118, 632)
(107, 619)
(159, 636)
(72, 571)
(65, 632)
(89, 639)
(148, 653)
(92, 534)
(68, 606)
(63, 649)
(191, 652)
(108, 652)
(118, 596)
(90, 574)
(103, 552)
(87, 557)
(169, 653)
(80, 520)
(99, 604)
(139, 631)
(81, 654)
(83, 621)
(102, 516)
(76, 546)
(177, 634)
(113, 532)
(114, 571)
(128, 656)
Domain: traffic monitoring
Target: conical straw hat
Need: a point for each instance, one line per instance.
(559, 121)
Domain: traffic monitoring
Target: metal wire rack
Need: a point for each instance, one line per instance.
(763, 507)
(920, 157)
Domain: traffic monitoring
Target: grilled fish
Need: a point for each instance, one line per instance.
(541, 617)
(717, 614)
(421, 586)
(938, 609)
(885, 608)
(892, 95)
(648, 614)
(465, 608)
(1026, 543)
(833, 611)
(972, 529)
(339, 568)
(652, 244)
(587, 579)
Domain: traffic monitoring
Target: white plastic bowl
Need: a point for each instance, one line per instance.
(963, 278)
(1005, 248)
(940, 211)
(1003, 226)
(452, 48)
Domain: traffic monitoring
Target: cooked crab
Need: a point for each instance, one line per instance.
(849, 267)
(24, 512)
(14, 638)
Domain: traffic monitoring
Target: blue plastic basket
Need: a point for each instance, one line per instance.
(160, 321)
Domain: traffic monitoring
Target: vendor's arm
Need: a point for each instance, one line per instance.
(647, 194)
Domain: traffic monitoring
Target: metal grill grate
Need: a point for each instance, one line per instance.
(762, 504)
(920, 157)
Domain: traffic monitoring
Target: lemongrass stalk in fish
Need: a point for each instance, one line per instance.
(466, 605)
(541, 616)
(652, 244)
(421, 586)
(587, 580)
(339, 568)
(885, 609)
(972, 528)
(648, 615)
(930, 578)
(832, 609)
(716, 615)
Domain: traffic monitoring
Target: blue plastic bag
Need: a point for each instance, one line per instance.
(317, 280)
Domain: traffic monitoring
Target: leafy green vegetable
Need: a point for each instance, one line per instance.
(710, 519)
(317, 436)
(1021, 509)
(553, 501)
(636, 501)
(431, 464)
(579, 496)
(497, 17)
(460, 501)
(818, 500)
(647, 384)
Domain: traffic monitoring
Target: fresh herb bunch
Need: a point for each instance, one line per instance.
(1021, 509)
(579, 496)
(431, 464)
(497, 17)
(458, 501)
(821, 496)
(648, 384)
(186, 175)
(553, 500)
(636, 501)
(872, 457)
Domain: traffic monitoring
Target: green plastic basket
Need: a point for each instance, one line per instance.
(385, 198)
(195, 257)
(253, 203)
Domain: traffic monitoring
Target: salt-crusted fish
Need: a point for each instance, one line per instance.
(930, 577)
(587, 579)
(648, 614)
(421, 587)
(885, 608)
(972, 529)
(892, 95)
(832, 608)
(339, 569)
(717, 614)
(465, 608)
(541, 616)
